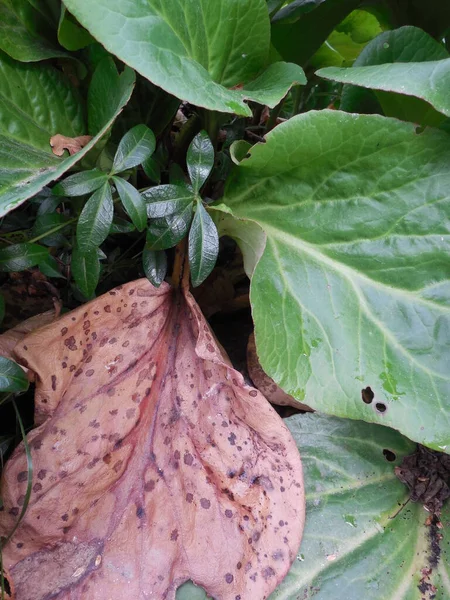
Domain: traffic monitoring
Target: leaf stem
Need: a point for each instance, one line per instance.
(53, 230)
(180, 273)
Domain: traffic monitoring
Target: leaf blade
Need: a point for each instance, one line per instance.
(203, 245)
(95, 219)
(200, 160)
(136, 146)
(12, 377)
(133, 202)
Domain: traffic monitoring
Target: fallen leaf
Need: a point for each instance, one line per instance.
(155, 464)
(59, 143)
(265, 384)
(13, 336)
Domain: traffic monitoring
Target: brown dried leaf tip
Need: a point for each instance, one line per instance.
(59, 143)
(154, 462)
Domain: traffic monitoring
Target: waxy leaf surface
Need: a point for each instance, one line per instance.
(353, 288)
(155, 463)
(200, 51)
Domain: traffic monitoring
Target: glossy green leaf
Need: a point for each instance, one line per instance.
(167, 231)
(200, 160)
(26, 33)
(49, 267)
(12, 377)
(203, 246)
(121, 226)
(70, 35)
(135, 147)
(81, 183)
(216, 46)
(298, 37)
(358, 541)
(19, 257)
(164, 200)
(95, 219)
(38, 102)
(155, 265)
(353, 287)
(133, 202)
(152, 169)
(85, 267)
(429, 80)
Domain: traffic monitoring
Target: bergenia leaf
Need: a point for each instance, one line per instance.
(80, 183)
(352, 289)
(135, 147)
(133, 202)
(95, 219)
(164, 200)
(203, 246)
(200, 160)
(152, 450)
(214, 59)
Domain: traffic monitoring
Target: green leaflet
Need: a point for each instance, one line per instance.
(95, 219)
(12, 377)
(353, 287)
(85, 269)
(203, 246)
(215, 47)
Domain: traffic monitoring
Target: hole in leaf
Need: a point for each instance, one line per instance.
(420, 129)
(389, 455)
(367, 395)
(380, 407)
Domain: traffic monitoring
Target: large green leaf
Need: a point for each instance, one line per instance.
(194, 49)
(36, 103)
(297, 35)
(407, 44)
(429, 80)
(359, 543)
(353, 288)
(12, 377)
(26, 32)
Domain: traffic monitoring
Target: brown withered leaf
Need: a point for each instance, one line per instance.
(13, 336)
(155, 464)
(265, 384)
(59, 143)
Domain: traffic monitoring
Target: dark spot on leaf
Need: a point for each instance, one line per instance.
(205, 503)
(189, 497)
(367, 395)
(65, 517)
(42, 474)
(70, 343)
(253, 393)
(22, 476)
(64, 330)
(150, 485)
(174, 535)
(140, 512)
(380, 407)
(188, 458)
(229, 578)
(53, 382)
(107, 308)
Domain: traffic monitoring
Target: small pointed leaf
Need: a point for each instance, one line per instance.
(12, 377)
(86, 270)
(155, 265)
(135, 147)
(81, 183)
(200, 160)
(95, 219)
(164, 200)
(203, 245)
(133, 202)
(166, 232)
(19, 257)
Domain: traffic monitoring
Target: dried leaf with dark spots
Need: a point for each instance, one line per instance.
(154, 463)
(59, 143)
